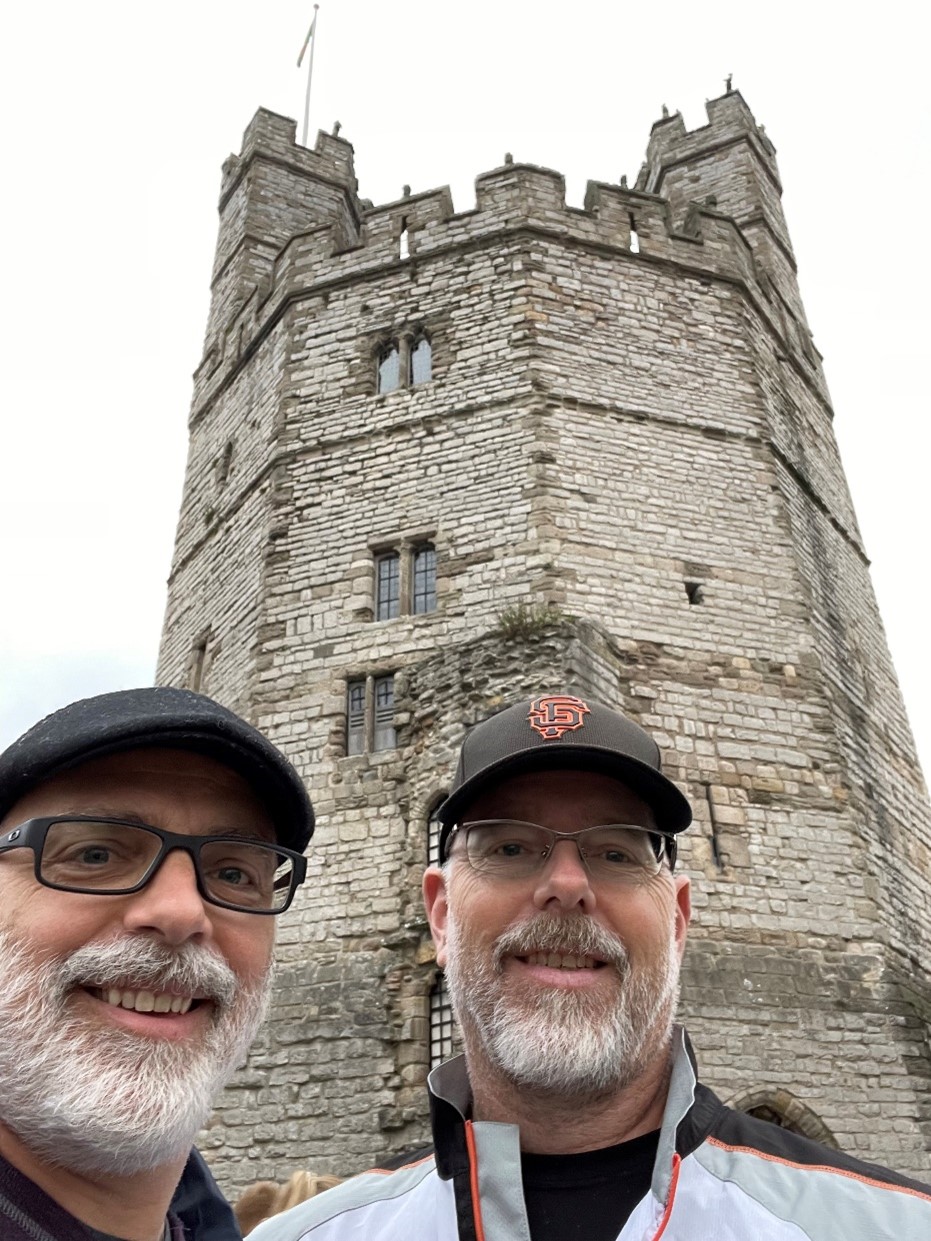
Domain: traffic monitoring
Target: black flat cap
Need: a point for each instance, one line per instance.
(159, 716)
(556, 732)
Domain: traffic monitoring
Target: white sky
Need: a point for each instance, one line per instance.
(119, 115)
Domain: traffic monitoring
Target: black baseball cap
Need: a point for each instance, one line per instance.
(159, 716)
(562, 731)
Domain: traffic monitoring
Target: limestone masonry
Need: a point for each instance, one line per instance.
(440, 460)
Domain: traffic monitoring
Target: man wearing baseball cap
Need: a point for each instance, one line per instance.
(576, 1113)
(147, 839)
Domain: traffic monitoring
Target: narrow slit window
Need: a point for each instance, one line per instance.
(421, 361)
(355, 717)
(404, 241)
(634, 236)
(385, 737)
(197, 664)
(225, 464)
(387, 586)
(389, 368)
(424, 596)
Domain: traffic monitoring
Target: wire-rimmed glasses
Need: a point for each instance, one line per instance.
(617, 852)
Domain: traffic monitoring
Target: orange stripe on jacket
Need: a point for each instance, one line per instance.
(818, 1167)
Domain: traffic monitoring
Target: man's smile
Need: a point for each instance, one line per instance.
(143, 1001)
(562, 961)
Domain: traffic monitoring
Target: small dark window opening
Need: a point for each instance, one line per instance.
(385, 737)
(389, 368)
(424, 594)
(634, 236)
(713, 821)
(404, 241)
(695, 592)
(421, 361)
(225, 463)
(441, 1023)
(772, 1117)
(198, 660)
(355, 717)
(387, 586)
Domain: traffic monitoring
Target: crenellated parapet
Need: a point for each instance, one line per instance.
(729, 165)
(312, 234)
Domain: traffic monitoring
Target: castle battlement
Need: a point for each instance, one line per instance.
(730, 122)
(336, 238)
(269, 135)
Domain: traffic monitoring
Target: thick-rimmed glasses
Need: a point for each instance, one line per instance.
(617, 852)
(109, 857)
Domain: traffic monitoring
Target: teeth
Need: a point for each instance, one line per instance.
(145, 1001)
(561, 960)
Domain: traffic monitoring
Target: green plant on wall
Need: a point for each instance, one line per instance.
(524, 620)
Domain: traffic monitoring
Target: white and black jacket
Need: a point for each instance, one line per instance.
(719, 1176)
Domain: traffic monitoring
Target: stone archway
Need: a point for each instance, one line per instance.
(780, 1107)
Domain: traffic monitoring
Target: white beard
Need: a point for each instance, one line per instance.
(564, 1043)
(101, 1100)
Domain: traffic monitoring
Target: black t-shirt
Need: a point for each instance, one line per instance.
(587, 1197)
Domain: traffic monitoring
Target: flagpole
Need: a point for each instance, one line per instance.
(312, 39)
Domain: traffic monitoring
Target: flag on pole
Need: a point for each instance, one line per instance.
(310, 35)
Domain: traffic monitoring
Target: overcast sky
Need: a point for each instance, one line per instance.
(119, 115)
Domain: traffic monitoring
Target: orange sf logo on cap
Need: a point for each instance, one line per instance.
(557, 714)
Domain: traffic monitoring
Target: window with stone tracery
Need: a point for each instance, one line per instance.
(404, 361)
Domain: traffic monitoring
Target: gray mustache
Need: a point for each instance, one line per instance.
(574, 936)
(145, 964)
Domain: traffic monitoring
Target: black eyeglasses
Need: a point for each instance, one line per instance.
(617, 852)
(108, 857)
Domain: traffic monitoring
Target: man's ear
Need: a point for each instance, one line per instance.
(683, 909)
(437, 906)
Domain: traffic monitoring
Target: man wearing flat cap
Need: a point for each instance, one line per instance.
(147, 839)
(576, 1113)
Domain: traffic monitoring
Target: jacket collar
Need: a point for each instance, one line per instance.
(451, 1106)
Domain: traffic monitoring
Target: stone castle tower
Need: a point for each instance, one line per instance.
(439, 461)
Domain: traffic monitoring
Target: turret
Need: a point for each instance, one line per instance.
(273, 191)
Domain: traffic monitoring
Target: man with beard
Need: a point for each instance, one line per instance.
(576, 1114)
(145, 838)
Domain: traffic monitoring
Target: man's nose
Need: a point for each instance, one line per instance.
(564, 881)
(170, 906)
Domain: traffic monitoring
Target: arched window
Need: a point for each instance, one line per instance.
(441, 1023)
(389, 368)
(385, 738)
(434, 827)
(355, 717)
(779, 1107)
(421, 365)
